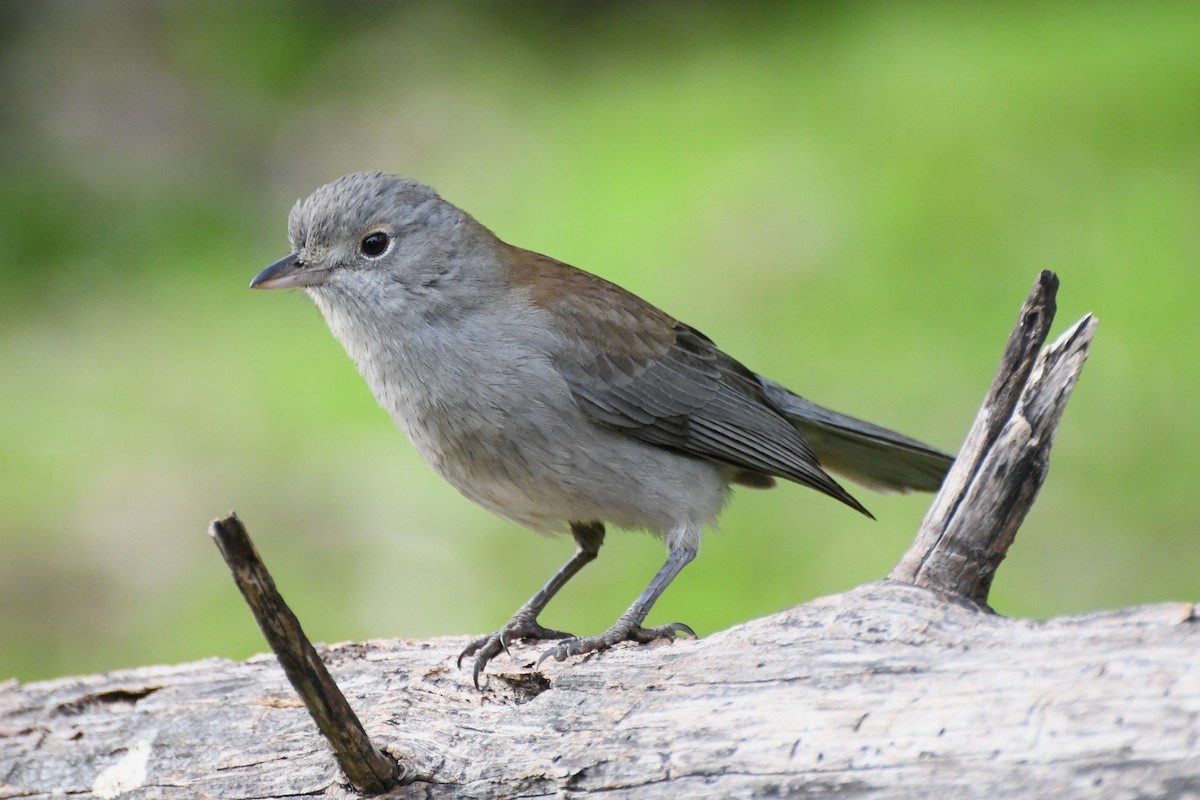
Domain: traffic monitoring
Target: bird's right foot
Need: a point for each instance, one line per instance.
(523, 625)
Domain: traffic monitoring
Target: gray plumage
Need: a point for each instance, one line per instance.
(556, 398)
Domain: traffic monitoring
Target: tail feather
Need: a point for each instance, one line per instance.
(866, 453)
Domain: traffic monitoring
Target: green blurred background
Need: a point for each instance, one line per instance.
(852, 198)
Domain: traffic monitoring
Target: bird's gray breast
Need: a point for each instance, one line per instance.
(481, 400)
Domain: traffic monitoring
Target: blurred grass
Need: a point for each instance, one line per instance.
(852, 199)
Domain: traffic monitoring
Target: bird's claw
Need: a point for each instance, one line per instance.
(621, 632)
(485, 648)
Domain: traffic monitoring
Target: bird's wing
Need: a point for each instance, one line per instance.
(632, 367)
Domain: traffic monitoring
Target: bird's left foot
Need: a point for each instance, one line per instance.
(623, 631)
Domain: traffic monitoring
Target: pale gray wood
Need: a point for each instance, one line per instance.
(888, 690)
(998, 472)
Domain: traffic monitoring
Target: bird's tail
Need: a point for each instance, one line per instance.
(865, 453)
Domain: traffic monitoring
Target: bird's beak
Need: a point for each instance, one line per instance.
(287, 272)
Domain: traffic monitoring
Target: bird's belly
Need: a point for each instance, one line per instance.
(544, 469)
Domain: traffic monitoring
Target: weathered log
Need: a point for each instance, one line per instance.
(906, 688)
(886, 689)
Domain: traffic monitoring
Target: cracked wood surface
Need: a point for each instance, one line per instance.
(892, 689)
(889, 689)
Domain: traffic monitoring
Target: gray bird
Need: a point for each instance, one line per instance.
(557, 399)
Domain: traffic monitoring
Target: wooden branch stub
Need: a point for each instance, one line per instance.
(366, 767)
(997, 475)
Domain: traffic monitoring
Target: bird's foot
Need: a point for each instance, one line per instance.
(626, 630)
(523, 625)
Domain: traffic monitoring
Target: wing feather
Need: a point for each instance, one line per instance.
(632, 367)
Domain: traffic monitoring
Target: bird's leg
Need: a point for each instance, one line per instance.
(524, 624)
(628, 627)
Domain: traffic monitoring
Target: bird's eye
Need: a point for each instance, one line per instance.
(373, 245)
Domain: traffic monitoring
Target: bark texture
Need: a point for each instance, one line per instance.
(887, 690)
(906, 688)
